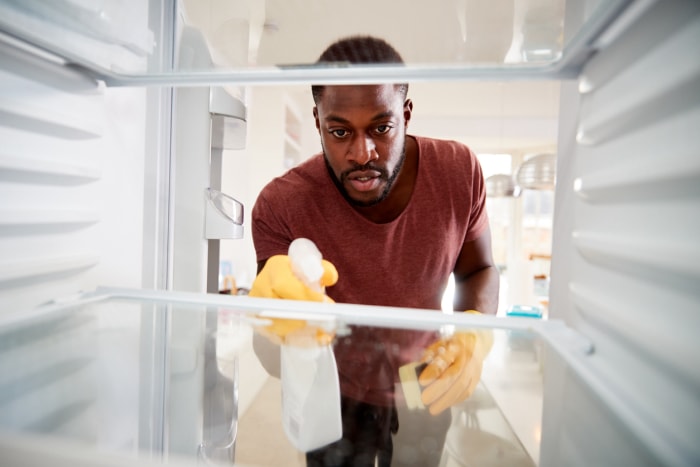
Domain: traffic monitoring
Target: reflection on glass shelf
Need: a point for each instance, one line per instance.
(145, 377)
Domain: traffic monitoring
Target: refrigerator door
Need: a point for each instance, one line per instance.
(100, 375)
(625, 253)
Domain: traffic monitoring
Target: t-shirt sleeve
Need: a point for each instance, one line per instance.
(478, 218)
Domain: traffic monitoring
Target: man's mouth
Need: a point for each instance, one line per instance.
(365, 180)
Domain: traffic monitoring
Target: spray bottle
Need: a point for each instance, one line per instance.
(310, 388)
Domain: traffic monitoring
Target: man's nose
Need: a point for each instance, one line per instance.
(363, 150)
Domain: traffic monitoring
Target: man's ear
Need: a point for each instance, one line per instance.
(407, 110)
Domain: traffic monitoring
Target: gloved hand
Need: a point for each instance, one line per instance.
(453, 368)
(276, 280)
(296, 332)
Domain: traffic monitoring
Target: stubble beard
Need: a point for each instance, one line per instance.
(383, 174)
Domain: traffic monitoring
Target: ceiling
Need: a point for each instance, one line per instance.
(518, 117)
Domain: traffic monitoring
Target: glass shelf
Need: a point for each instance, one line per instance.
(163, 42)
(176, 376)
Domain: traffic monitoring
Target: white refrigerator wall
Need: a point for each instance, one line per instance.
(73, 217)
(71, 183)
(626, 252)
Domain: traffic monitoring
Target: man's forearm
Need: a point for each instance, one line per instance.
(478, 291)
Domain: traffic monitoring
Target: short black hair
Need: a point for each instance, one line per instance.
(359, 50)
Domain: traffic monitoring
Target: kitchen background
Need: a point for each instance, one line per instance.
(504, 122)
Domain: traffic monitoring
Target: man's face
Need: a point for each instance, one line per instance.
(363, 134)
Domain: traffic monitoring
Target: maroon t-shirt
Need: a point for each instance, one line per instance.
(404, 263)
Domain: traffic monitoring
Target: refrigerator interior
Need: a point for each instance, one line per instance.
(94, 156)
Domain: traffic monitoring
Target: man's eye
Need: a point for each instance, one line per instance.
(381, 129)
(339, 133)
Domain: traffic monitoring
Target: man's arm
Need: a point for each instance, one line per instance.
(454, 363)
(476, 277)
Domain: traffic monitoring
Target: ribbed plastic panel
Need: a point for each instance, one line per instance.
(71, 182)
(626, 259)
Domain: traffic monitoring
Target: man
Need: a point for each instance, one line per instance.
(396, 214)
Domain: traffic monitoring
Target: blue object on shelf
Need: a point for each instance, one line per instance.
(524, 311)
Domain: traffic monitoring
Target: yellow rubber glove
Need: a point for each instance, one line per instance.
(453, 368)
(276, 280)
(296, 332)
